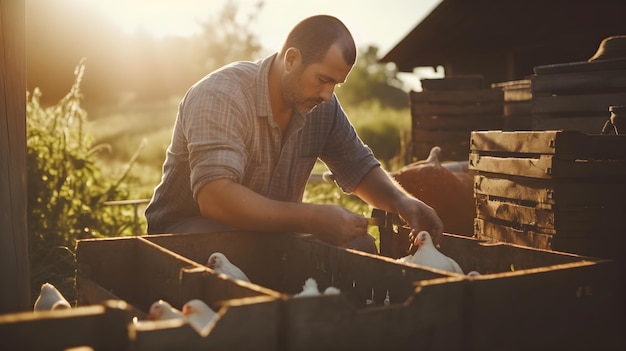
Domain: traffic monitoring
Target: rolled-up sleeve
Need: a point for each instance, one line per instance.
(214, 129)
(345, 154)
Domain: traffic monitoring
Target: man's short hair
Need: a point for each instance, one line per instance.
(314, 35)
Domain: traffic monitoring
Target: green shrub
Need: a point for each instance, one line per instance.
(66, 189)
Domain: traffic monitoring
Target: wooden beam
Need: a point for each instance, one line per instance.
(14, 267)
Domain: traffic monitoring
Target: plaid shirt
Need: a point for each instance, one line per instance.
(225, 129)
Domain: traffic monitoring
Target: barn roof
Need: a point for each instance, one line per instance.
(457, 28)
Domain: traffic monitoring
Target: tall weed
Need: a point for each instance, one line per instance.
(66, 189)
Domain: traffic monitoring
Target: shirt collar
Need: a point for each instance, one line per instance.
(263, 105)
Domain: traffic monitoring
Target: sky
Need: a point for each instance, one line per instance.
(371, 22)
(382, 23)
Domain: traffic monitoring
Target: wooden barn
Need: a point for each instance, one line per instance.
(503, 40)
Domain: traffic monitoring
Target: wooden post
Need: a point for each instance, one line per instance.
(14, 266)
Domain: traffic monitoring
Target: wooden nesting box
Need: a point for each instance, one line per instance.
(577, 95)
(517, 104)
(560, 301)
(556, 190)
(447, 110)
(359, 317)
(422, 303)
(139, 272)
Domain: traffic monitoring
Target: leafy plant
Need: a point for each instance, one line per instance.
(66, 189)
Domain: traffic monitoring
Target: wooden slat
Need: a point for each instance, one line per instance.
(516, 90)
(558, 219)
(608, 246)
(466, 122)
(134, 269)
(418, 109)
(515, 213)
(585, 124)
(562, 104)
(547, 166)
(544, 194)
(565, 307)
(101, 327)
(580, 66)
(465, 82)
(455, 97)
(566, 144)
(488, 230)
(259, 316)
(592, 81)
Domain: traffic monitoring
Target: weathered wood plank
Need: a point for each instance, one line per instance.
(418, 109)
(487, 230)
(545, 194)
(587, 123)
(547, 166)
(576, 104)
(465, 122)
(566, 305)
(558, 219)
(566, 144)
(592, 81)
(464, 82)
(516, 90)
(609, 246)
(454, 97)
(14, 266)
(101, 327)
(257, 316)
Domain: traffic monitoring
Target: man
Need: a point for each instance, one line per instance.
(247, 136)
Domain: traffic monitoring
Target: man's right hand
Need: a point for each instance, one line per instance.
(336, 225)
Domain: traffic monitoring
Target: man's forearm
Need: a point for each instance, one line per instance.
(379, 190)
(235, 205)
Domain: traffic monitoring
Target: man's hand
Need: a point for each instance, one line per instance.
(382, 192)
(335, 225)
(420, 216)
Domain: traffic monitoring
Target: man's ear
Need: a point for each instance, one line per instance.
(293, 58)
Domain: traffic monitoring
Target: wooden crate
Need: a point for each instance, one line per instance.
(558, 190)
(100, 327)
(357, 318)
(447, 110)
(242, 324)
(577, 95)
(139, 272)
(517, 105)
(559, 300)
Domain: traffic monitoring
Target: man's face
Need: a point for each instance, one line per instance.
(307, 87)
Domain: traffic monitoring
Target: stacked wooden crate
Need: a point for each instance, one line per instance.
(447, 110)
(556, 190)
(517, 104)
(577, 95)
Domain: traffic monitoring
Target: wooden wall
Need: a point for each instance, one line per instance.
(14, 267)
